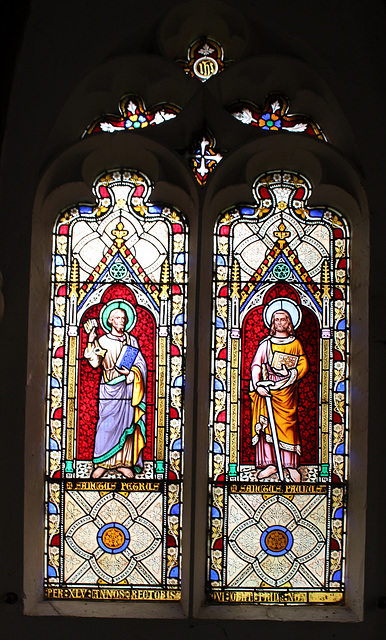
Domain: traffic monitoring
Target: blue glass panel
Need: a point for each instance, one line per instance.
(220, 261)
(338, 513)
(219, 322)
(53, 445)
(340, 387)
(52, 508)
(216, 447)
(341, 325)
(54, 382)
(215, 513)
(177, 445)
(155, 209)
(175, 510)
(337, 577)
(316, 213)
(57, 321)
(174, 572)
(178, 382)
(340, 450)
(214, 575)
(179, 319)
(218, 385)
(59, 261)
(51, 572)
(85, 209)
(247, 211)
(180, 258)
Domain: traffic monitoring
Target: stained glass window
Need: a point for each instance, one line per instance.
(279, 399)
(275, 116)
(115, 408)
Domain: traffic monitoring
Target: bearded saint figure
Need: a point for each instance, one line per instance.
(277, 367)
(121, 429)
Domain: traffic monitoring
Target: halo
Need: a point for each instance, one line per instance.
(282, 304)
(118, 304)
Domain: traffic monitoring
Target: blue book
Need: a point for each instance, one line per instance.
(127, 357)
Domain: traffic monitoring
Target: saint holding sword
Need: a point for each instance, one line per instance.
(277, 367)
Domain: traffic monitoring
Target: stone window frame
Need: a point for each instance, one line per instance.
(68, 180)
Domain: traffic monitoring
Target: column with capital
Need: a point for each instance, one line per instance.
(326, 363)
(234, 368)
(162, 369)
(71, 366)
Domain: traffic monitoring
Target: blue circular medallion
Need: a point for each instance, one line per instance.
(276, 540)
(113, 537)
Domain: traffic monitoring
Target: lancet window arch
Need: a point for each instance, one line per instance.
(279, 398)
(115, 410)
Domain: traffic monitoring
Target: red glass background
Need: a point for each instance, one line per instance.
(253, 331)
(88, 379)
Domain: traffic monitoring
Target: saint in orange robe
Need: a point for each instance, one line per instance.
(284, 394)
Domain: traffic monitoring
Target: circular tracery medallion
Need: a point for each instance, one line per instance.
(276, 540)
(204, 68)
(113, 537)
(118, 270)
(281, 271)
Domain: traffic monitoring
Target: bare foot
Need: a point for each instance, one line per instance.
(125, 471)
(268, 471)
(98, 472)
(294, 475)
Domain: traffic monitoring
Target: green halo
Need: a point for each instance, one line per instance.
(118, 304)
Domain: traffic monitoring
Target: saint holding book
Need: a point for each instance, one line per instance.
(121, 429)
(277, 367)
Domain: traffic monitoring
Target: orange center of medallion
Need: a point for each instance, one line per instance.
(113, 538)
(276, 540)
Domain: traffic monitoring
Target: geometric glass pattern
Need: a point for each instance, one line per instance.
(115, 401)
(279, 399)
(275, 116)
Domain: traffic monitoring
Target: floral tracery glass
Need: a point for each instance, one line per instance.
(279, 399)
(204, 157)
(115, 409)
(275, 116)
(134, 116)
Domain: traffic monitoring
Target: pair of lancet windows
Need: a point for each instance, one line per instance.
(115, 414)
(278, 388)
